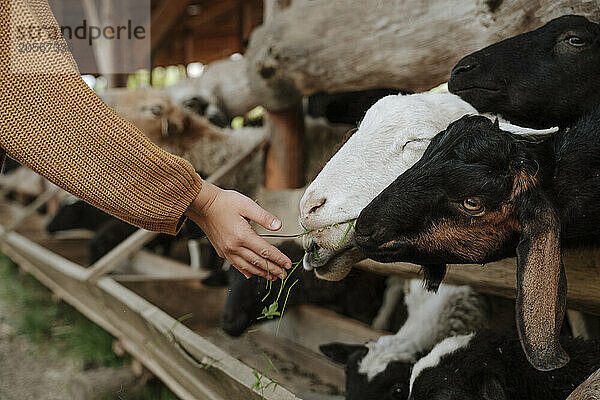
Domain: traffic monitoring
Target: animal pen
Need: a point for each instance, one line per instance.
(156, 307)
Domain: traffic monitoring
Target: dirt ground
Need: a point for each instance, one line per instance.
(28, 370)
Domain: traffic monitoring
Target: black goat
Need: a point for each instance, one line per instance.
(345, 107)
(491, 366)
(359, 296)
(543, 78)
(480, 194)
(77, 215)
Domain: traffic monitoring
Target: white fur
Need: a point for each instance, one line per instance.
(445, 347)
(431, 318)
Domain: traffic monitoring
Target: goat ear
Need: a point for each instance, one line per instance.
(433, 276)
(519, 130)
(340, 352)
(492, 389)
(541, 284)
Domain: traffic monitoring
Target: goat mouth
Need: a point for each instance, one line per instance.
(316, 256)
(474, 88)
(330, 265)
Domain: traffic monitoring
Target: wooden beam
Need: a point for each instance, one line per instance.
(164, 19)
(343, 45)
(146, 266)
(500, 278)
(159, 341)
(113, 259)
(284, 165)
(30, 209)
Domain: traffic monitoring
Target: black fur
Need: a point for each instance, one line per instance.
(77, 215)
(538, 194)
(346, 107)
(493, 367)
(359, 296)
(516, 77)
(391, 384)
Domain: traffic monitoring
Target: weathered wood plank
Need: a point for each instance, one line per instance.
(340, 45)
(499, 278)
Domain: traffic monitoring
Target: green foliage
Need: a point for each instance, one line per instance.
(55, 324)
(63, 329)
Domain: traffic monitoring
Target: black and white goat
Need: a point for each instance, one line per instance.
(480, 194)
(547, 77)
(381, 369)
(491, 366)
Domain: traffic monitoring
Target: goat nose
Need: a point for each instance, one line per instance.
(315, 206)
(461, 69)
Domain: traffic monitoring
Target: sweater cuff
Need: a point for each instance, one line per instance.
(173, 222)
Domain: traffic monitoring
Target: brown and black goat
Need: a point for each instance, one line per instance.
(480, 194)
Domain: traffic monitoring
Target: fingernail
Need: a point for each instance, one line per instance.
(276, 224)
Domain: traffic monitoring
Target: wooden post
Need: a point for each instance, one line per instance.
(284, 166)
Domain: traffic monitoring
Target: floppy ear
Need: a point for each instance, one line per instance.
(541, 283)
(491, 389)
(433, 276)
(339, 352)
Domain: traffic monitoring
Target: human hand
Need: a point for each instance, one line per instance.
(223, 215)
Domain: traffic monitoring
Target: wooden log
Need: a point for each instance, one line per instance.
(343, 45)
(284, 165)
(499, 278)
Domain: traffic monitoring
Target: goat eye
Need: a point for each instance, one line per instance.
(576, 41)
(398, 391)
(472, 205)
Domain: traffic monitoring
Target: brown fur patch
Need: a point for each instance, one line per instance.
(472, 241)
(522, 183)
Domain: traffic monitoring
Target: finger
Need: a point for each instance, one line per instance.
(262, 217)
(247, 269)
(266, 250)
(261, 262)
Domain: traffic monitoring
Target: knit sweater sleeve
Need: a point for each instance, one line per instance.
(53, 123)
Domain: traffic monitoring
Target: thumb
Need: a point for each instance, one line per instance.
(262, 217)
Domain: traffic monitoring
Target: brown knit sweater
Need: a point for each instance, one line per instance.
(54, 124)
